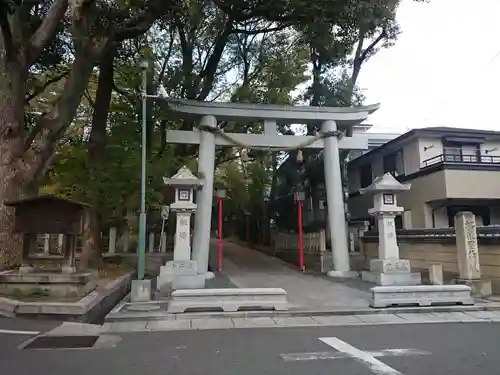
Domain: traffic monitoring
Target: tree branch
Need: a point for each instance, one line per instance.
(372, 45)
(131, 98)
(262, 31)
(208, 74)
(47, 30)
(89, 98)
(138, 25)
(41, 88)
(187, 61)
(167, 57)
(50, 127)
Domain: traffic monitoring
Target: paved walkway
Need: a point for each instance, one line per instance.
(249, 268)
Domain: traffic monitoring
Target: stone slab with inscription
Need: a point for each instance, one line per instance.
(467, 246)
(390, 265)
(175, 268)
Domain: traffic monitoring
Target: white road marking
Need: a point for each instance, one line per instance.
(337, 355)
(376, 366)
(13, 332)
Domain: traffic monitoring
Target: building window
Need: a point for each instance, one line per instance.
(394, 164)
(461, 152)
(452, 151)
(365, 175)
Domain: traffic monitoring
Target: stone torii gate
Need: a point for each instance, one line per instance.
(335, 121)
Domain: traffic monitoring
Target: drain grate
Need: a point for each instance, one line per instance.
(61, 342)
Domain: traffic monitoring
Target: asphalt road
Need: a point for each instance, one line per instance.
(20, 324)
(458, 349)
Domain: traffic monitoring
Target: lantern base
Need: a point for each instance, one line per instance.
(343, 274)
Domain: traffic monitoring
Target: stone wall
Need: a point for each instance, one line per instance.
(424, 247)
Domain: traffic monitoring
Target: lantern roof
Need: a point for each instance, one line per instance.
(183, 178)
(385, 183)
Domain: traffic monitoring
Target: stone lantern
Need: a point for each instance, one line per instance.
(184, 183)
(388, 269)
(182, 272)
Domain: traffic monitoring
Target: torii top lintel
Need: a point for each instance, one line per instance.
(343, 116)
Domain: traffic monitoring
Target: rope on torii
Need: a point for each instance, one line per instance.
(318, 136)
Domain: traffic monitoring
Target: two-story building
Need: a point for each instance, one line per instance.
(450, 170)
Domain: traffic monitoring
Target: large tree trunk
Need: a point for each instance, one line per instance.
(11, 164)
(10, 189)
(92, 246)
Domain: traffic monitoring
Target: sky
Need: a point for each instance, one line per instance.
(444, 69)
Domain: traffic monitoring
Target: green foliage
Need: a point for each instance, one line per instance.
(231, 50)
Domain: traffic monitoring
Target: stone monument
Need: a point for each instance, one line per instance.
(388, 269)
(181, 273)
(469, 270)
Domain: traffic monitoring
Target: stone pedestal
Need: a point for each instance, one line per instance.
(391, 272)
(180, 275)
(469, 270)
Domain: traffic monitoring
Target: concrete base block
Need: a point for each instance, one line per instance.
(421, 295)
(480, 288)
(26, 269)
(140, 291)
(229, 300)
(68, 269)
(188, 282)
(209, 275)
(343, 274)
(163, 282)
(436, 274)
(413, 278)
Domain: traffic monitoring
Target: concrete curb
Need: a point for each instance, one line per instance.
(88, 309)
(196, 324)
(116, 316)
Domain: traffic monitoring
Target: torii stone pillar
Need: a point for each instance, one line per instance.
(203, 217)
(332, 120)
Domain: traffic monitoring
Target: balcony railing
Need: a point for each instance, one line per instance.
(461, 159)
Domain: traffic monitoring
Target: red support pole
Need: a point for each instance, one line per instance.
(301, 243)
(220, 236)
(247, 228)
